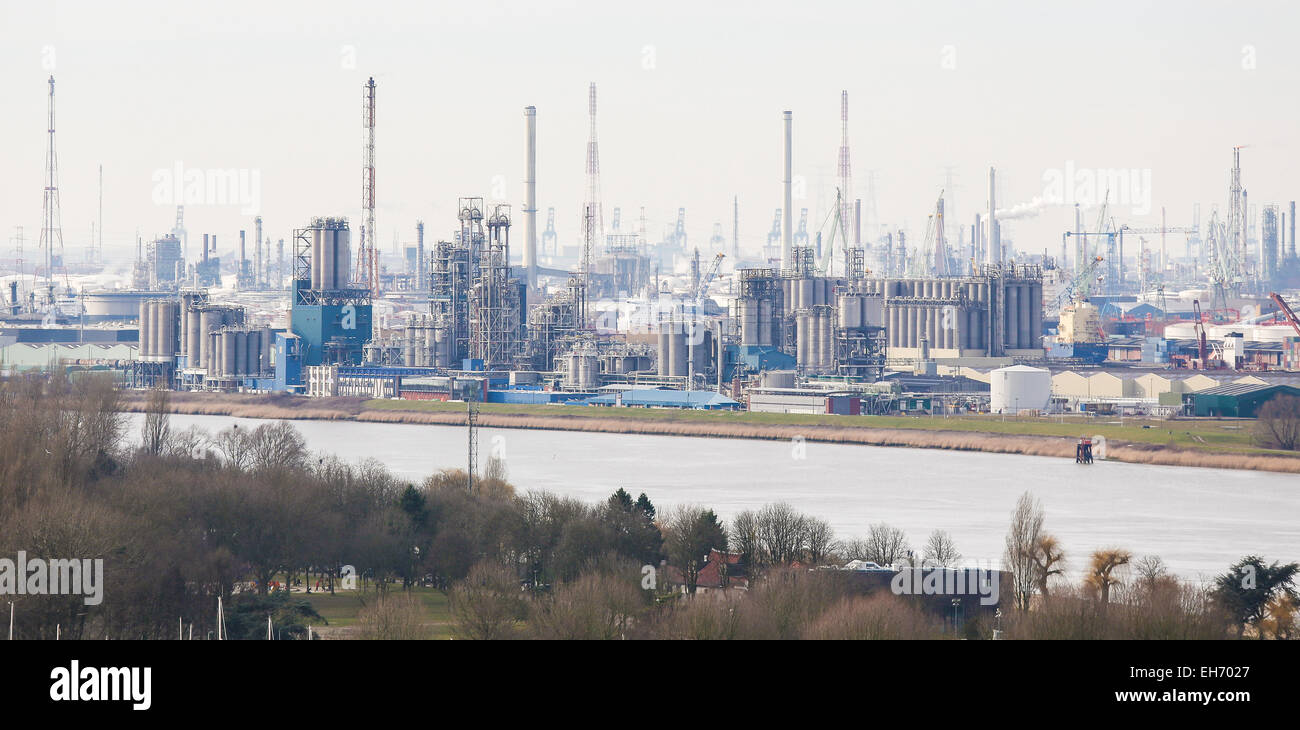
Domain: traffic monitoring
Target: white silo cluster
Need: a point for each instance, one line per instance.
(239, 352)
(1019, 388)
(331, 254)
(426, 344)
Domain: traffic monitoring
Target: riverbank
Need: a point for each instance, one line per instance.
(1213, 444)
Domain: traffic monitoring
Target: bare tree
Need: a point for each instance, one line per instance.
(1277, 424)
(276, 445)
(1021, 546)
(779, 530)
(940, 551)
(745, 540)
(884, 545)
(232, 443)
(818, 539)
(689, 534)
(156, 422)
(1049, 560)
(488, 603)
(1101, 574)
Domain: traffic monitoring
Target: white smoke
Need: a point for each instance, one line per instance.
(1022, 210)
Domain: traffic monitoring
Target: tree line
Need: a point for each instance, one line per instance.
(181, 518)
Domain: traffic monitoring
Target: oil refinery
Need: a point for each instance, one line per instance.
(853, 317)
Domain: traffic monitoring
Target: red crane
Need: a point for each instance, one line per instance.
(1286, 311)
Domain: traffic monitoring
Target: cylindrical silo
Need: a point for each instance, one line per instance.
(143, 328)
(665, 354)
(765, 323)
(229, 354)
(826, 356)
(194, 338)
(678, 351)
(850, 311)
(343, 258)
(268, 342)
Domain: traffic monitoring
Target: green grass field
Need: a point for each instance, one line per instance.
(342, 608)
(1230, 436)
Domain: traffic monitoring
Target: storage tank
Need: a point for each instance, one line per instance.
(229, 354)
(803, 338)
(748, 322)
(1019, 388)
(850, 311)
(779, 379)
(765, 323)
(678, 352)
(664, 355)
(144, 329)
(158, 322)
(252, 352)
(268, 342)
(825, 355)
(703, 348)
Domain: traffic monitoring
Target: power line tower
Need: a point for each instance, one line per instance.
(52, 225)
(1237, 216)
(845, 170)
(593, 222)
(369, 238)
(592, 206)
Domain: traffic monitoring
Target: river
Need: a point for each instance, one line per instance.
(1198, 520)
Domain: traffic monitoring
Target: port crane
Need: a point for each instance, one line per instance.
(1287, 314)
(691, 336)
(1074, 285)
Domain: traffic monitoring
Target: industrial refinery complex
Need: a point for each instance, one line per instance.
(854, 318)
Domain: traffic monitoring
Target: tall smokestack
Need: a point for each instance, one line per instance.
(205, 248)
(995, 245)
(1292, 229)
(787, 235)
(857, 222)
(420, 284)
(530, 197)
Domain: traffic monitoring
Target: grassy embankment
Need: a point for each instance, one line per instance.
(1208, 443)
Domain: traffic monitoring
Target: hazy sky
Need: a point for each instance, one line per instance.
(691, 95)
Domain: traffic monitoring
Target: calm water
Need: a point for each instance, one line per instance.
(1198, 520)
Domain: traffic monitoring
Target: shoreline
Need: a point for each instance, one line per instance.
(283, 407)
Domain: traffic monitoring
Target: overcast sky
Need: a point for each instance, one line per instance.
(691, 95)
